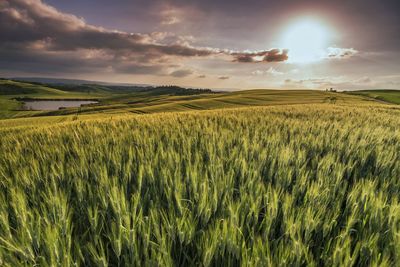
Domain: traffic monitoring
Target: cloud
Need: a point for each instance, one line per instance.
(38, 36)
(170, 15)
(340, 53)
(274, 72)
(138, 68)
(181, 73)
(293, 82)
(258, 73)
(364, 79)
(342, 83)
(223, 77)
(273, 55)
(170, 20)
(271, 71)
(63, 32)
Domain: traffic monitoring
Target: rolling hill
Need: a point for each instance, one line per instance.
(389, 96)
(140, 100)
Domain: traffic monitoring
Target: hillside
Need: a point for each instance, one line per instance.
(140, 100)
(12, 88)
(13, 93)
(390, 96)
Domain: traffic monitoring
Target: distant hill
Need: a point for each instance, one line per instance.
(176, 90)
(18, 86)
(10, 87)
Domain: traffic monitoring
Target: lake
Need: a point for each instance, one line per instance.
(54, 104)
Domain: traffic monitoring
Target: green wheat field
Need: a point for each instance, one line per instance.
(285, 180)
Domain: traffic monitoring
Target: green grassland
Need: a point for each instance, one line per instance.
(390, 96)
(250, 178)
(10, 90)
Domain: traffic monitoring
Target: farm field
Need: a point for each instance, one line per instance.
(309, 184)
(126, 100)
(199, 133)
(389, 96)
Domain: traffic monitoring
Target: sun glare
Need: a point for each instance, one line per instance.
(306, 40)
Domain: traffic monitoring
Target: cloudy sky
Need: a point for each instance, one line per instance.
(205, 43)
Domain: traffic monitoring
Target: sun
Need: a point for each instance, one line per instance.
(306, 40)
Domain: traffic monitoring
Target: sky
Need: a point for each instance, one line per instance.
(236, 44)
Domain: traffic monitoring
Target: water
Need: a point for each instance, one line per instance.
(54, 104)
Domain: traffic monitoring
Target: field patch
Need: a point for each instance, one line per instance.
(389, 96)
(311, 184)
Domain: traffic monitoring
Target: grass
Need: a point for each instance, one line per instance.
(390, 96)
(285, 185)
(145, 104)
(10, 90)
(148, 102)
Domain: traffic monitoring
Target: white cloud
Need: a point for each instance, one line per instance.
(271, 72)
(340, 82)
(274, 72)
(340, 53)
(363, 80)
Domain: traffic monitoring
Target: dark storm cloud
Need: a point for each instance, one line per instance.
(45, 35)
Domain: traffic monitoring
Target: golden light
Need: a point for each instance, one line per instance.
(306, 40)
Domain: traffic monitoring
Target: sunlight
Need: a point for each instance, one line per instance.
(306, 40)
